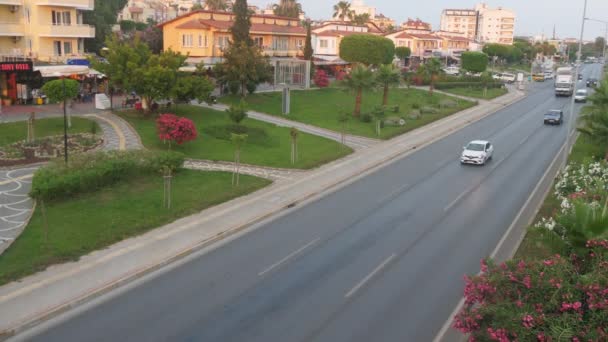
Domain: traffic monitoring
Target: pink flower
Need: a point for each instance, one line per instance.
(528, 321)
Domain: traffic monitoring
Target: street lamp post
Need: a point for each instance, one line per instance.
(578, 60)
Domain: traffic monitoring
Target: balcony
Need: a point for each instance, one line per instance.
(78, 4)
(66, 31)
(11, 29)
(286, 51)
(11, 2)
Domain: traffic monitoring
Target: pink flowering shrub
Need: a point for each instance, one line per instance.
(558, 299)
(174, 128)
(321, 79)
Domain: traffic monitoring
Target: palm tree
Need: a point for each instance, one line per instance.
(594, 118)
(387, 76)
(288, 8)
(342, 10)
(216, 5)
(359, 80)
(431, 70)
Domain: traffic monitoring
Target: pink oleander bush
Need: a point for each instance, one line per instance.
(558, 299)
(174, 128)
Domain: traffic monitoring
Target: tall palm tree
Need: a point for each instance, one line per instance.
(288, 8)
(387, 76)
(594, 118)
(342, 10)
(359, 80)
(216, 5)
(431, 70)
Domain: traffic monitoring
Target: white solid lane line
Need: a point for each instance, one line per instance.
(285, 259)
(370, 276)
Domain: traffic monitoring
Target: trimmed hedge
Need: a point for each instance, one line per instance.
(91, 171)
(478, 85)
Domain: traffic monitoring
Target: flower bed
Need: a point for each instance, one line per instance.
(23, 152)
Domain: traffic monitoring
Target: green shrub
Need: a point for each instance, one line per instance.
(91, 171)
(255, 136)
(429, 110)
(396, 109)
(415, 105)
(366, 117)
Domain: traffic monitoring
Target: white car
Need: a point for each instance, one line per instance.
(509, 78)
(452, 70)
(548, 75)
(477, 152)
(580, 95)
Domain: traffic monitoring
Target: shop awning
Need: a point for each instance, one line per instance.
(48, 71)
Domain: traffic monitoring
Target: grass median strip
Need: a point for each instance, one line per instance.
(323, 108)
(478, 93)
(266, 144)
(88, 222)
(11, 132)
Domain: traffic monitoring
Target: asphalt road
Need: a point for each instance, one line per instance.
(380, 260)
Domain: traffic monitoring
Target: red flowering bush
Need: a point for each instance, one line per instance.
(558, 299)
(340, 75)
(321, 79)
(174, 128)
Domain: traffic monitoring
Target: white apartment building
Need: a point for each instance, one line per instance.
(462, 21)
(143, 10)
(483, 24)
(495, 25)
(359, 8)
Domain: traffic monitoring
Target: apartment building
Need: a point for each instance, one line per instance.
(495, 25)
(460, 20)
(483, 24)
(143, 10)
(203, 35)
(326, 39)
(44, 30)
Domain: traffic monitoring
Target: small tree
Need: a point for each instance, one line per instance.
(294, 133)
(54, 90)
(237, 112)
(321, 79)
(308, 50)
(173, 128)
(190, 88)
(359, 80)
(403, 52)
(367, 49)
(238, 140)
(387, 76)
(31, 125)
(343, 120)
(379, 114)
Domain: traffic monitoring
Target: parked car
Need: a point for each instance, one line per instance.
(554, 117)
(477, 152)
(549, 75)
(580, 95)
(592, 82)
(580, 77)
(507, 77)
(452, 70)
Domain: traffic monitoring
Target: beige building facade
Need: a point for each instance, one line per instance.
(44, 30)
(482, 24)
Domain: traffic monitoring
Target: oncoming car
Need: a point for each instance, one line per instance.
(554, 117)
(477, 152)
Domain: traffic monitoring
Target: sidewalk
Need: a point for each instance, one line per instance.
(62, 287)
(352, 141)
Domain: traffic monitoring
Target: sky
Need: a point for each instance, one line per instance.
(534, 17)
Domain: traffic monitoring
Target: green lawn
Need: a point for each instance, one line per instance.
(12, 132)
(478, 92)
(93, 221)
(538, 244)
(266, 145)
(322, 108)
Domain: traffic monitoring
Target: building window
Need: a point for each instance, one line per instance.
(57, 48)
(323, 43)
(67, 48)
(300, 43)
(61, 18)
(200, 40)
(80, 45)
(259, 41)
(280, 44)
(222, 42)
(187, 40)
(206, 41)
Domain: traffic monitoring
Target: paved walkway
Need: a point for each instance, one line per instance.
(15, 205)
(48, 293)
(252, 170)
(355, 142)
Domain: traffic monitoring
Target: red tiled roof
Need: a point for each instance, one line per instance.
(404, 35)
(424, 36)
(136, 10)
(255, 28)
(224, 13)
(456, 38)
(338, 33)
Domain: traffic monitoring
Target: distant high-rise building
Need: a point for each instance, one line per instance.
(483, 24)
